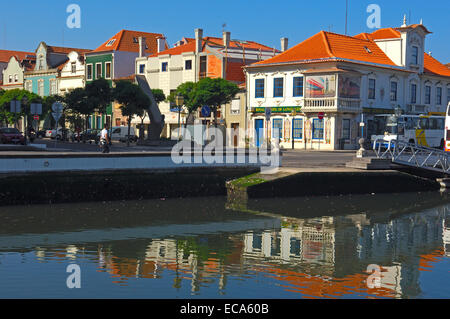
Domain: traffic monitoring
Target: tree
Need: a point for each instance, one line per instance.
(17, 94)
(133, 101)
(100, 94)
(214, 93)
(78, 102)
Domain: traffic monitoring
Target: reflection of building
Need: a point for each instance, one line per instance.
(446, 236)
(320, 90)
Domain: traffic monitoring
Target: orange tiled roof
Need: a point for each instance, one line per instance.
(386, 33)
(325, 45)
(125, 41)
(433, 66)
(65, 50)
(213, 41)
(5, 55)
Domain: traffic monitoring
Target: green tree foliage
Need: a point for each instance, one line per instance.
(132, 99)
(77, 101)
(100, 94)
(214, 93)
(17, 94)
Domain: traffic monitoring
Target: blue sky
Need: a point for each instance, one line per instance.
(25, 23)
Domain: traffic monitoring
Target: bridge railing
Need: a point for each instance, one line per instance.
(413, 155)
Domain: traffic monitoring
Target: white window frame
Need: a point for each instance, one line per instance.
(39, 87)
(87, 71)
(110, 70)
(101, 70)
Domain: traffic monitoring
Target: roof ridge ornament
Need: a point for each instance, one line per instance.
(404, 21)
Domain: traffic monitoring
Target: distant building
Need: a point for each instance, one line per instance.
(344, 80)
(115, 59)
(13, 64)
(194, 58)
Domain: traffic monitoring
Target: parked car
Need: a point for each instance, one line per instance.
(120, 133)
(11, 135)
(90, 136)
(59, 133)
(41, 133)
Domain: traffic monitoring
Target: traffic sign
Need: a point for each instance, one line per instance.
(36, 117)
(56, 116)
(15, 106)
(57, 107)
(206, 111)
(320, 115)
(36, 108)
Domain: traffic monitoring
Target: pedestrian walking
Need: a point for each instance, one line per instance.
(104, 139)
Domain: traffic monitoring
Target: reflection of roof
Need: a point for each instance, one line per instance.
(127, 40)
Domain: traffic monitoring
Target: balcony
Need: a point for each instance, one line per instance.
(332, 104)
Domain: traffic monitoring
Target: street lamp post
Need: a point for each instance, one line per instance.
(179, 101)
(25, 101)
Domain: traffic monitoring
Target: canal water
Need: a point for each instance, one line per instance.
(365, 246)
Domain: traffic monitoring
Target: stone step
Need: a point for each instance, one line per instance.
(370, 163)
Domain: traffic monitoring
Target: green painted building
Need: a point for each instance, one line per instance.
(115, 60)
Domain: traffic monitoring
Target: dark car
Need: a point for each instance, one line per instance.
(89, 136)
(11, 135)
(41, 133)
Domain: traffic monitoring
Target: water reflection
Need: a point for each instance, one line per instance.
(287, 248)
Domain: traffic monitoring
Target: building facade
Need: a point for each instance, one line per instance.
(12, 71)
(193, 59)
(115, 59)
(324, 92)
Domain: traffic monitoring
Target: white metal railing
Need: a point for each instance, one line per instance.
(413, 155)
(332, 103)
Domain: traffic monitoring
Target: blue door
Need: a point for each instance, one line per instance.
(259, 128)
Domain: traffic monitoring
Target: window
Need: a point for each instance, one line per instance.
(141, 68)
(203, 66)
(73, 67)
(235, 106)
(16, 78)
(346, 129)
(111, 42)
(259, 88)
(41, 88)
(10, 78)
(415, 55)
(393, 91)
(277, 128)
(164, 67)
(438, 96)
(28, 86)
(108, 70)
(278, 87)
(298, 86)
(89, 72)
(52, 87)
(448, 96)
(371, 89)
(98, 70)
(188, 65)
(427, 94)
(297, 129)
(317, 129)
(413, 93)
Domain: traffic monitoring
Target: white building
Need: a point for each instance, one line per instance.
(72, 73)
(195, 58)
(320, 90)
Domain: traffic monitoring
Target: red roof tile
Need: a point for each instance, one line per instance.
(433, 66)
(65, 50)
(325, 45)
(5, 55)
(127, 40)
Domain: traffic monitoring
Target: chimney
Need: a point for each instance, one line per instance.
(161, 41)
(198, 40)
(226, 38)
(284, 44)
(141, 46)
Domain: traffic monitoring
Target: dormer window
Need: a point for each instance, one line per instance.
(135, 40)
(415, 55)
(110, 43)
